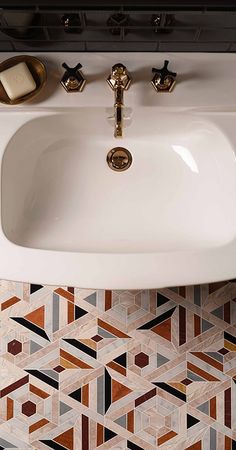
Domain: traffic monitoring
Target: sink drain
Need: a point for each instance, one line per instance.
(119, 159)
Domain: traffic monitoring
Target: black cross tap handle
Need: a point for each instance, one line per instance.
(164, 72)
(72, 70)
(73, 80)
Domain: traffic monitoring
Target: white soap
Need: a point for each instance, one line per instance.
(17, 81)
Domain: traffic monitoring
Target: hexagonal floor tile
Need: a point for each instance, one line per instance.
(28, 408)
(14, 347)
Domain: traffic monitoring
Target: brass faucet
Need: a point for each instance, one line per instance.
(119, 80)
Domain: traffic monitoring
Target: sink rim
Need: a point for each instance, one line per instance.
(197, 127)
(111, 271)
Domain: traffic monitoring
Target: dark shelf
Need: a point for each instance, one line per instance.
(116, 3)
(128, 25)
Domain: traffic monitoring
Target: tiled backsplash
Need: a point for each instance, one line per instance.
(140, 370)
(125, 26)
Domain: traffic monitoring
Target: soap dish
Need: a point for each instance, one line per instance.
(38, 72)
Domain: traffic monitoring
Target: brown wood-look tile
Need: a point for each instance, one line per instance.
(230, 346)
(182, 291)
(227, 312)
(227, 402)
(163, 329)
(228, 443)
(197, 325)
(70, 312)
(14, 386)
(35, 426)
(119, 390)
(201, 372)
(209, 360)
(72, 359)
(99, 434)
(108, 300)
(166, 437)
(117, 367)
(10, 302)
(66, 439)
(85, 395)
(85, 432)
(182, 325)
(90, 343)
(130, 421)
(63, 293)
(196, 446)
(37, 316)
(112, 329)
(186, 381)
(96, 338)
(215, 286)
(213, 407)
(35, 390)
(10, 406)
(71, 289)
(143, 398)
(67, 364)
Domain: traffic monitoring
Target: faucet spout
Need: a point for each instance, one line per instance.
(119, 80)
(118, 106)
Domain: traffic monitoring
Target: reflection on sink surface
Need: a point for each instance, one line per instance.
(58, 192)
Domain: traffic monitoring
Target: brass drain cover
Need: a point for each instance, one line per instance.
(119, 159)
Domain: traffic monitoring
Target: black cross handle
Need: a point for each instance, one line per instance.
(164, 72)
(72, 71)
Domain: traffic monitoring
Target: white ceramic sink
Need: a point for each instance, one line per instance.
(58, 192)
(170, 219)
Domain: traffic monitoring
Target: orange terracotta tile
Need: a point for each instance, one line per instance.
(161, 440)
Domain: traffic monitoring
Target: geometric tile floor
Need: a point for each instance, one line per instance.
(85, 369)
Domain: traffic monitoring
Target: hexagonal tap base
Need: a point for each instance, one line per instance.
(163, 80)
(73, 80)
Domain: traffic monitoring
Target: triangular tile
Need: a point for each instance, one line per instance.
(122, 360)
(161, 300)
(213, 287)
(105, 334)
(66, 439)
(163, 329)
(218, 312)
(157, 320)
(204, 408)
(35, 288)
(92, 299)
(119, 390)
(37, 317)
(121, 421)
(108, 434)
(79, 312)
(206, 325)
(76, 395)
(34, 347)
(64, 408)
(161, 360)
(191, 421)
(132, 446)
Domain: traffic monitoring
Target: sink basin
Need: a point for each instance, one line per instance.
(176, 196)
(67, 218)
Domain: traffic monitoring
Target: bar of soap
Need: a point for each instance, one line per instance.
(17, 81)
